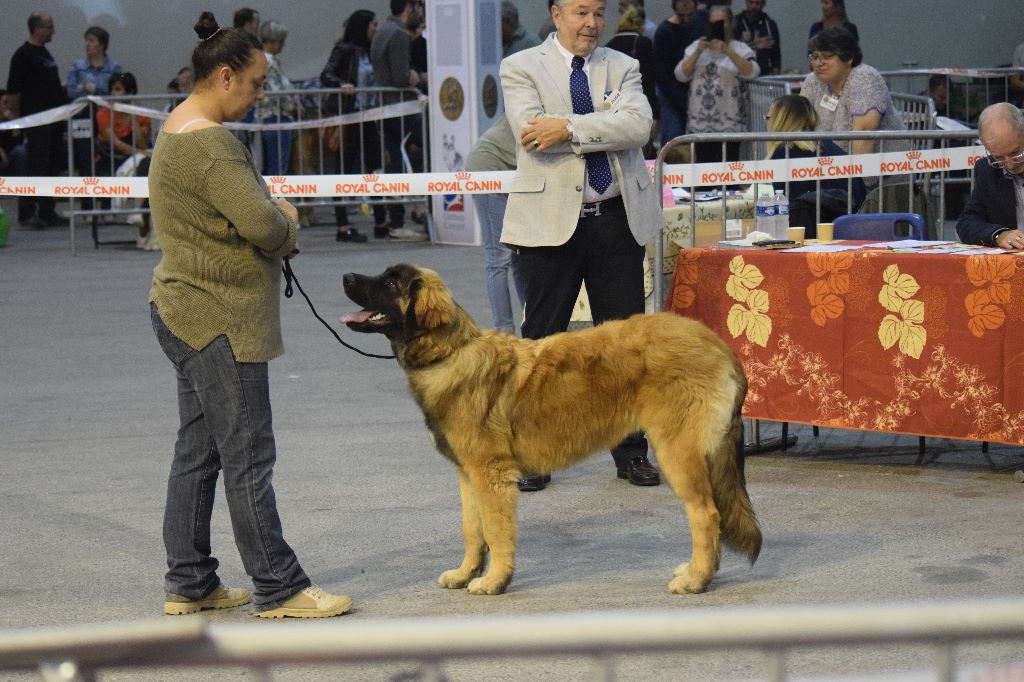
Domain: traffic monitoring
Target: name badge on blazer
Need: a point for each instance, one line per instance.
(830, 102)
(612, 99)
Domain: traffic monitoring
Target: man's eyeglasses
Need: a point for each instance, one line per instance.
(820, 57)
(1009, 160)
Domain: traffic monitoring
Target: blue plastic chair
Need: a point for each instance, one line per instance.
(879, 226)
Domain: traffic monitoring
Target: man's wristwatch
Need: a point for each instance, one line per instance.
(569, 129)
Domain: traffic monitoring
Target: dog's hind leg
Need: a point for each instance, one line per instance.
(683, 465)
(494, 488)
(473, 537)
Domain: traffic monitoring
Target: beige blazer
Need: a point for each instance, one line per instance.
(547, 191)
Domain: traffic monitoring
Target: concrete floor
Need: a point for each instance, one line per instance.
(88, 418)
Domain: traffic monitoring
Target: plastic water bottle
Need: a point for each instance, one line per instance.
(781, 215)
(764, 216)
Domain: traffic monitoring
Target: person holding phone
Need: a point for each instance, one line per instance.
(715, 67)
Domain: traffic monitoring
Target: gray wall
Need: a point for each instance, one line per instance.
(154, 39)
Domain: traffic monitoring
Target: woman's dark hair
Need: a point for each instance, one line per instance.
(840, 41)
(356, 27)
(101, 35)
(221, 47)
(840, 6)
(127, 80)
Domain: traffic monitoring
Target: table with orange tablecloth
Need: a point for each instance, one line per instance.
(916, 343)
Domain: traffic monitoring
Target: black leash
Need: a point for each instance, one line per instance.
(289, 278)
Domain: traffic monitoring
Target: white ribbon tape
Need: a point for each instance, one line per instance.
(497, 182)
(43, 118)
(62, 113)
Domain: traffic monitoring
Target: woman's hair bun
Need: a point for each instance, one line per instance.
(206, 26)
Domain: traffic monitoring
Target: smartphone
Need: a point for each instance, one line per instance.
(716, 30)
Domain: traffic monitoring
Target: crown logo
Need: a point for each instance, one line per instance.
(914, 155)
(371, 178)
(463, 175)
(90, 181)
(825, 160)
(736, 166)
(278, 179)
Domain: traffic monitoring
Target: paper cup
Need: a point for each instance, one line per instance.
(796, 234)
(824, 232)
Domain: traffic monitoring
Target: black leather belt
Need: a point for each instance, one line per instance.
(596, 208)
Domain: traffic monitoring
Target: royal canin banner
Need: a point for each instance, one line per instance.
(497, 182)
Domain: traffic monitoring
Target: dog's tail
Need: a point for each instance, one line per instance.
(739, 527)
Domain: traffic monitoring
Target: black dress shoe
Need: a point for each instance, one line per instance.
(639, 471)
(529, 484)
(349, 234)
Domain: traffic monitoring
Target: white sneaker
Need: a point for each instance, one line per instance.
(406, 234)
(142, 242)
(312, 602)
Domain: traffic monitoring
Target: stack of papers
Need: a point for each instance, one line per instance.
(919, 246)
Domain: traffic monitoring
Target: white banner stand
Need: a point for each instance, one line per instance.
(464, 51)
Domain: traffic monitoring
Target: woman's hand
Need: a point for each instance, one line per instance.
(347, 89)
(287, 208)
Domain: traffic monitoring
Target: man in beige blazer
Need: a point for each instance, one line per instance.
(582, 204)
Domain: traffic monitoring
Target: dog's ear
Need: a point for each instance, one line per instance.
(430, 303)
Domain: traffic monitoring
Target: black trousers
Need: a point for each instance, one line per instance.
(47, 156)
(602, 254)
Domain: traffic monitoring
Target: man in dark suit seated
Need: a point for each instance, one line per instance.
(994, 214)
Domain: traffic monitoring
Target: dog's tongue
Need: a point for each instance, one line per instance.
(361, 316)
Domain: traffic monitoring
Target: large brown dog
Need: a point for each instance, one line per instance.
(498, 406)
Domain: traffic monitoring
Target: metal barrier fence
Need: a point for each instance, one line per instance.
(921, 187)
(75, 654)
(297, 132)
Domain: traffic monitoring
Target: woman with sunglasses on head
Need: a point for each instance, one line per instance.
(794, 113)
(215, 309)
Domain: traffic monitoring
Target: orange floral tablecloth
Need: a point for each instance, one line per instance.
(925, 344)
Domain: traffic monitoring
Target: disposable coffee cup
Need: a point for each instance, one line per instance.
(796, 234)
(824, 232)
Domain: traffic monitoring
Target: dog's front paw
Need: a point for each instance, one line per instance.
(686, 582)
(487, 585)
(454, 579)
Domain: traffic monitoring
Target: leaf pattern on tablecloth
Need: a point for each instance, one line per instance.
(944, 377)
(991, 276)
(824, 294)
(749, 314)
(904, 322)
(686, 275)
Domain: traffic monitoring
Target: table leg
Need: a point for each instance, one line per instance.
(767, 444)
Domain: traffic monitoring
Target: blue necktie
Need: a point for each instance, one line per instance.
(599, 172)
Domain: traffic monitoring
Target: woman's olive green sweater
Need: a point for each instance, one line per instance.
(222, 241)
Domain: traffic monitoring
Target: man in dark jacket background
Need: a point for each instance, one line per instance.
(761, 33)
(994, 214)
